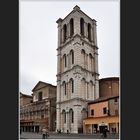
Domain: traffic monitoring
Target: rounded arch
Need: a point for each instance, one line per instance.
(71, 27)
(84, 113)
(83, 51)
(90, 62)
(89, 31)
(90, 55)
(91, 82)
(82, 26)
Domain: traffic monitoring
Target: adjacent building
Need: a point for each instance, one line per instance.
(109, 86)
(104, 111)
(77, 69)
(39, 110)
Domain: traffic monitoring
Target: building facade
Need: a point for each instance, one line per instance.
(77, 69)
(103, 112)
(41, 110)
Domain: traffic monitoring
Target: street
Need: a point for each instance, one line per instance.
(31, 135)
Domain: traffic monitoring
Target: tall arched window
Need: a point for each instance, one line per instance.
(72, 56)
(84, 113)
(89, 31)
(90, 90)
(65, 32)
(83, 88)
(71, 115)
(65, 60)
(64, 116)
(83, 58)
(71, 27)
(82, 26)
(90, 62)
(64, 87)
(72, 85)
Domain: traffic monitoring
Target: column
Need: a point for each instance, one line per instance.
(68, 30)
(96, 61)
(75, 130)
(58, 61)
(117, 127)
(86, 90)
(96, 89)
(76, 22)
(92, 33)
(58, 117)
(58, 91)
(95, 33)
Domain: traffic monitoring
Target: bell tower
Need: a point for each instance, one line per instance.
(77, 69)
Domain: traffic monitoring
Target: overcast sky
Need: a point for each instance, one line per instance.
(38, 38)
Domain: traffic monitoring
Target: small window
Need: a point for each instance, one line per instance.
(71, 27)
(65, 32)
(82, 26)
(89, 31)
(92, 111)
(39, 96)
(104, 110)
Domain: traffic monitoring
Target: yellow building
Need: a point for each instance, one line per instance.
(102, 112)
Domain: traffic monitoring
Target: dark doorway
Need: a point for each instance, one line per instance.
(95, 127)
(101, 128)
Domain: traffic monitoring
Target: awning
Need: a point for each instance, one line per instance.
(101, 120)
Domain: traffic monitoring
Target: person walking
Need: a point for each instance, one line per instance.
(44, 132)
(47, 133)
(105, 132)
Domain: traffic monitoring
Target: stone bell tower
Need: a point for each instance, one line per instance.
(77, 69)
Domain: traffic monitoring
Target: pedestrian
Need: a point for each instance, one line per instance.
(105, 132)
(47, 133)
(44, 131)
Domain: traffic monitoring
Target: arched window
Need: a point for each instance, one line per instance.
(90, 62)
(83, 58)
(72, 85)
(64, 115)
(65, 60)
(82, 26)
(71, 27)
(64, 87)
(90, 90)
(89, 31)
(65, 32)
(71, 115)
(83, 88)
(72, 56)
(84, 113)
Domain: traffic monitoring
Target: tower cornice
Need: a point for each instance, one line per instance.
(68, 41)
(77, 66)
